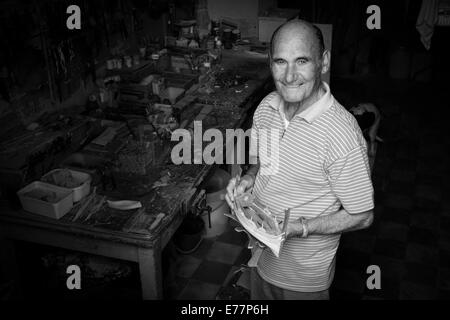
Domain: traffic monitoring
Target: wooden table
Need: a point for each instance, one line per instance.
(112, 234)
(137, 244)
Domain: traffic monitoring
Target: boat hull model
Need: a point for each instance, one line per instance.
(259, 222)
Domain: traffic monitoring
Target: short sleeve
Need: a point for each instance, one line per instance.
(350, 180)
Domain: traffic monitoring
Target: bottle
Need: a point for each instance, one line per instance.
(203, 20)
(218, 43)
(170, 18)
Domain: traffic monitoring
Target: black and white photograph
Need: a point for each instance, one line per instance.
(235, 151)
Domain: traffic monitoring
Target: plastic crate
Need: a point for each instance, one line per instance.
(79, 192)
(54, 210)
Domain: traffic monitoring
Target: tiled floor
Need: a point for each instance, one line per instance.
(410, 237)
(202, 274)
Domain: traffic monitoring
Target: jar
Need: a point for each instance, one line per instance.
(128, 61)
(143, 52)
(227, 39)
(119, 63)
(110, 64)
(236, 35)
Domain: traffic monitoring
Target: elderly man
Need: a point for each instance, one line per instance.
(322, 173)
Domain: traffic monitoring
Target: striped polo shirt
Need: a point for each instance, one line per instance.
(318, 162)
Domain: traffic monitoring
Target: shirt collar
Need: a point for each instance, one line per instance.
(314, 111)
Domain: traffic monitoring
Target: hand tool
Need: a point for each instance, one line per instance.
(158, 219)
(86, 203)
(95, 208)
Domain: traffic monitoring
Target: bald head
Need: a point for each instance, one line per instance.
(299, 29)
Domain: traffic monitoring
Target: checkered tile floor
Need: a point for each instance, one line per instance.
(202, 274)
(410, 237)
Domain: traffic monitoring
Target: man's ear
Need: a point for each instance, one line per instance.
(326, 59)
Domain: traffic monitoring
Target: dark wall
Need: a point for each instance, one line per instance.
(356, 49)
(33, 37)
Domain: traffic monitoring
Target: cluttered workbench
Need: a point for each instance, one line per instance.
(136, 203)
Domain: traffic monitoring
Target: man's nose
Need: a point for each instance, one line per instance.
(291, 74)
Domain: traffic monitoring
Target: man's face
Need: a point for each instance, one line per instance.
(296, 66)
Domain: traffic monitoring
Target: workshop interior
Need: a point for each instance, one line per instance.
(92, 94)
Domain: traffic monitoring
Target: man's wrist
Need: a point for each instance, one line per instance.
(295, 229)
(305, 229)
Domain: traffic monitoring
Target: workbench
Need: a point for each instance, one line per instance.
(127, 235)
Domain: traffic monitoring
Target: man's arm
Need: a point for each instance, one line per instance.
(338, 222)
(350, 182)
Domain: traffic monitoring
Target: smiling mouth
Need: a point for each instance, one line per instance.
(293, 87)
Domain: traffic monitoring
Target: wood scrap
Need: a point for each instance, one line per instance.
(95, 208)
(106, 137)
(135, 221)
(157, 221)
(85, 204)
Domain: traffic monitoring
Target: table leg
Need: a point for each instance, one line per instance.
(9, 267)
(151, 273)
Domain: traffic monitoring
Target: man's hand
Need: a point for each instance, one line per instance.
(245, 183)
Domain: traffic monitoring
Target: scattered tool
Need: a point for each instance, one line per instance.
(138, 219)
(86, 203)
(95, 208)
(157, 221)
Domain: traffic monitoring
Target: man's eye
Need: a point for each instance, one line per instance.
(280, 61)
(302, 61)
